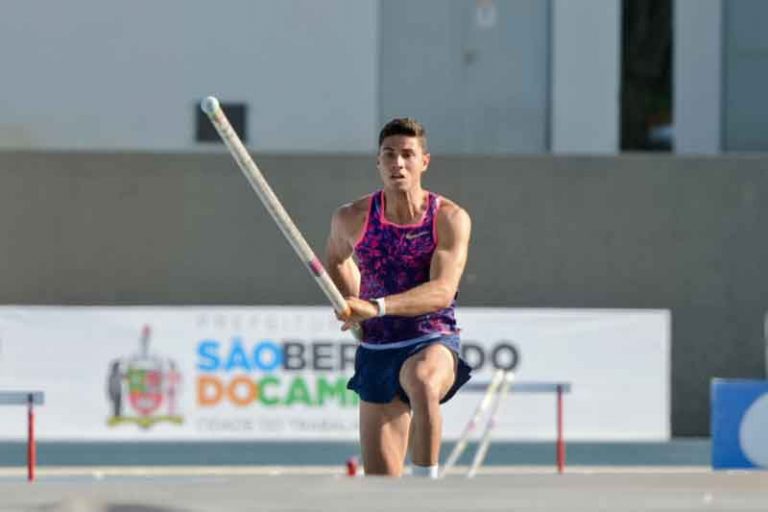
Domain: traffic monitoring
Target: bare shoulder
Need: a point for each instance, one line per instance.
(353, 210)
(449, 212)
(349, 218)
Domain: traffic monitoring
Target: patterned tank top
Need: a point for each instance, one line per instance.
(394, 258)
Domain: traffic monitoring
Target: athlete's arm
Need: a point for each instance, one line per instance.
(448, 262)
(342, 269)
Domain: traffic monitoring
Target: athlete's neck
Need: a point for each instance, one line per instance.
(405, 207)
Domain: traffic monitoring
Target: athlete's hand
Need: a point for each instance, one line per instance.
(359, 310)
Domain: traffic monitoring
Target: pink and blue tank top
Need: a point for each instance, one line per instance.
(394, 258)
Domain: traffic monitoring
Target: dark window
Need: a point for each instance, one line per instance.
(237, 113)
(646, 82)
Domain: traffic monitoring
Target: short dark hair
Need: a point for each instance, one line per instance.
(404, 126)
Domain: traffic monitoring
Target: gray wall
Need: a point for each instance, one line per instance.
(630, 231)
(96, 75)
(697, 43)
(745, 75)
(479, 84)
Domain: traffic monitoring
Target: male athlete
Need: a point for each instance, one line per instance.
(398, 255)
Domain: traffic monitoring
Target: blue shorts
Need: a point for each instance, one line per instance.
(377, 371)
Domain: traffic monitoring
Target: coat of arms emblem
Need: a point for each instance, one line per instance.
(151, 384)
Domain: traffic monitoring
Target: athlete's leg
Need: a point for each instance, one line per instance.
(384, 436)
(426, 377)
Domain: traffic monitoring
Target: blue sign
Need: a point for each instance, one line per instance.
(739, 423)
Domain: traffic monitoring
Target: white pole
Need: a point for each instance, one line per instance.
(210, 106)
(485, 442)
(461, 444)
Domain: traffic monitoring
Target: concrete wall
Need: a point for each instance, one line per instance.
(100, 75)
(685, 234)
(697, 70)
(586, 76)
(475, 73)
(745, 76)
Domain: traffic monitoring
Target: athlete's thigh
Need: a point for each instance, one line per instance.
(384, 436)
(434, 365)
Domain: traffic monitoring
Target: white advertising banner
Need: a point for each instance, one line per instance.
(263, 373)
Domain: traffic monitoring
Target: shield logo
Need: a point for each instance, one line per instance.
(145, 389)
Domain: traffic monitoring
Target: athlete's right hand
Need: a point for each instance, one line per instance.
(358, 311)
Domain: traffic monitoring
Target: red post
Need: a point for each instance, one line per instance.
(560, 440)
(352, 466)
(30, 438)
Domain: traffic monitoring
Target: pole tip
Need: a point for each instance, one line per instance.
(209, 105)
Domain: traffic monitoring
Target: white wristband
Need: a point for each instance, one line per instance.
(382, 305)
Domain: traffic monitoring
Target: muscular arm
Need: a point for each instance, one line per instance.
(447, 266)
(448, 262)
(345, 226)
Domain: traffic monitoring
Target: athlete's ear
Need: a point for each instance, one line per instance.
(427, 157)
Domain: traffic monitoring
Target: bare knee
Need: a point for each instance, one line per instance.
(422, 384)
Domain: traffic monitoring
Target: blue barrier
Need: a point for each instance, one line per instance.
(739, 423)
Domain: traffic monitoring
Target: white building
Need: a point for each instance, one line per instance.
(485, 76)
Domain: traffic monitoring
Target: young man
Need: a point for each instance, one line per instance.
(398, 255)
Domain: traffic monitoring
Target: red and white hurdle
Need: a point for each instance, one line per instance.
(495, 392)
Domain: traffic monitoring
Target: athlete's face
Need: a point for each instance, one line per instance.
(401, 162)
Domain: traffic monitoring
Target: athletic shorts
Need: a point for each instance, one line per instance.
(377, 371)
